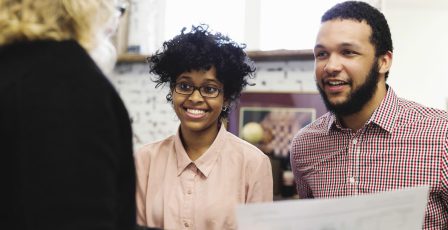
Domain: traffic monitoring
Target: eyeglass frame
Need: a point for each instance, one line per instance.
(198, 88)
(121, 7)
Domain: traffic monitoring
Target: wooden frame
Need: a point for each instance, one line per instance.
(283, 113)
(273, 55)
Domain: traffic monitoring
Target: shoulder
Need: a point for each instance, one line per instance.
(311, 138)
(55, 65)
(242, 155)
(317, 128)
(413, 112)
(77, 77)
(65, 61)
(68, 52)
(78, 66)
(47, 62)
(152, 157)
(241, 148)
(152, 150)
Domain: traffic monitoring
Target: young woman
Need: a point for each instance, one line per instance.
(195, 179)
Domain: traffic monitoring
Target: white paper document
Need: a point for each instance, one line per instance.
(393, 210)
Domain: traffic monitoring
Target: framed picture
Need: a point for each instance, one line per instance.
(270, 120)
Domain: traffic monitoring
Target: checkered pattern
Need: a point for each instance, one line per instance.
(282, 123)
(403, 145)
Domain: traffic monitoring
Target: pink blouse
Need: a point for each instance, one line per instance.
(174, 192)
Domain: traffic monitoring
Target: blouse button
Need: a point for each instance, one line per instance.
(186, 224)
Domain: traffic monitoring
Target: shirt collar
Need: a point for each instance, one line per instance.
(333, 122)
(207, 161)
(181, 155)
(384, 116)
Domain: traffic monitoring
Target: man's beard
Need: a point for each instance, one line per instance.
(358, 98)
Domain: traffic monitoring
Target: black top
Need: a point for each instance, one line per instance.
(65, 142)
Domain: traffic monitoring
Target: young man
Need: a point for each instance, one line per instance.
(371, 140)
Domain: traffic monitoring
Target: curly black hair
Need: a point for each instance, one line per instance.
(381, 37)
(201, 49)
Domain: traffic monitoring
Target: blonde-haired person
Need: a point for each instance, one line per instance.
(65, 135)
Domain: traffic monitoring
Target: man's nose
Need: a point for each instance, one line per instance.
(333, 65)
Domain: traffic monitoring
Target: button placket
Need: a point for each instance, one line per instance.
(189, 181)
(353, 149)
(356, 149)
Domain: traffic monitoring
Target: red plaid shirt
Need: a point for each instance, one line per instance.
(402, 145)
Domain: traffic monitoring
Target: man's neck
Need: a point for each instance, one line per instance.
(357, 120)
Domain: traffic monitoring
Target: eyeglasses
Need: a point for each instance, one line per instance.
(207, 91)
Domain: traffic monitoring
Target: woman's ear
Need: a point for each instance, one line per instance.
(226, 106)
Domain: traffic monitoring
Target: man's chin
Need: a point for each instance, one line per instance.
(337, 104)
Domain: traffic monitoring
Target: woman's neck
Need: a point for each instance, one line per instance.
(196, 143)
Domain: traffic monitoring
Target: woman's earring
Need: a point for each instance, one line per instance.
(169, 97)
(225, 108)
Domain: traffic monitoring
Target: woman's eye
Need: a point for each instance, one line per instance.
(184, 86)
(210, 89)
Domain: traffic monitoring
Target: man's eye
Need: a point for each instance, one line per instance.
(348, 52)
(320, 54)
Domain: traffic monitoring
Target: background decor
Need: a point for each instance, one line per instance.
(276, 126)
(270, 120)
(280, 115)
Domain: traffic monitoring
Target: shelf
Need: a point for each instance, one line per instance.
(132, 58)
(281, 55)
(272, 55)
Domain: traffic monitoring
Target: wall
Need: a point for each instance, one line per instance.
(419, 71)
(154, 119)
(420, 63)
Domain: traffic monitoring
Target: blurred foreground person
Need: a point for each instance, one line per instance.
(65, 135)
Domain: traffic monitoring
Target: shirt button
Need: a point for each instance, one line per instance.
(355, 141)
(189, 192)
(186, 224)
(352, 180)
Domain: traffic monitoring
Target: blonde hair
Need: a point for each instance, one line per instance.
(29, 20)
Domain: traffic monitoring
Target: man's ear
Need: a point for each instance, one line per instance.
(385, 62)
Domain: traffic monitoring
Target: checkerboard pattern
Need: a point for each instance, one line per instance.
(283, 124)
